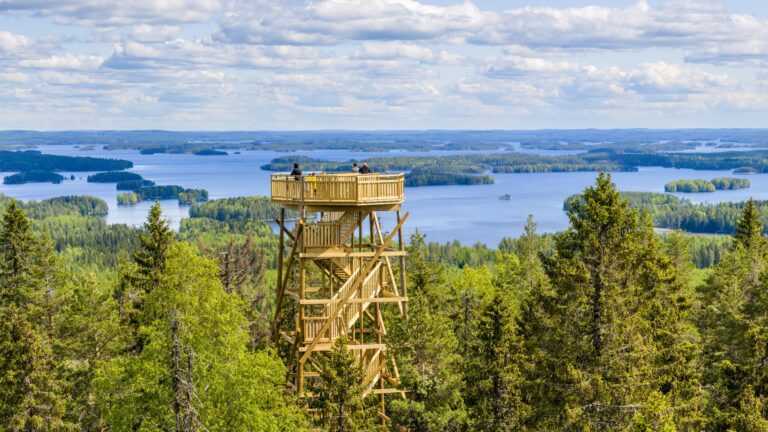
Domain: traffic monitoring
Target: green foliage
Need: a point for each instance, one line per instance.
(231, 388)
(192, 196)
(255, 208)
(671, 212)
(113, 177)
(693, 186)
(749, 228)
(427, 178)
(595, 349)
(30, 390)
(33, 177)
(340, 392)
(127, 198)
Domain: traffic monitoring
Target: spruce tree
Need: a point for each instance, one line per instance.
(590, 342)
(749, 228)
(30, 390)
(18, 247)
(492, 379)
(340, 392)
(426, 349)
(734, 319)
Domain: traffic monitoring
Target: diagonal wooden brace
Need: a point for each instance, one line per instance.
(352, 291)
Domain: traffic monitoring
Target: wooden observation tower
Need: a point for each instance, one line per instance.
(335, 273)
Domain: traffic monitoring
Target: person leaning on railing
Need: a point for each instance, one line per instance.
(364, 169)
(296, 173)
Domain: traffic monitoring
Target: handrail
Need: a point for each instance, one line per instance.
(339, 188)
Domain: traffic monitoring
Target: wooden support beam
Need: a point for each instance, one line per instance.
(375, 217)
(281, 290)
(368, 267)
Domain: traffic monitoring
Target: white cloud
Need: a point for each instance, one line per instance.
(66, 61)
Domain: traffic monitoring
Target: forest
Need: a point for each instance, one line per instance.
(604, 326)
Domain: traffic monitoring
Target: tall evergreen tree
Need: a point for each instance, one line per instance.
(340, 392)
(749, 228)
(492, 379)
(426, 350)
(590, 342)
(734, 320)
(30, 391)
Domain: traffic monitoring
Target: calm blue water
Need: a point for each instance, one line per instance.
(467, 213)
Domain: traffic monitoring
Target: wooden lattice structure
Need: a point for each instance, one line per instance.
(337, 231)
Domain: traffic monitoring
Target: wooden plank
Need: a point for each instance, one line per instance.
(354, 347)
(343, 254)
(357, 283)
(353, 301)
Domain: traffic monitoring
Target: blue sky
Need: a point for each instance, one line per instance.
(382, 64)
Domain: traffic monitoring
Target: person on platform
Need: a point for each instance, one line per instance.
(364, 169)
(296, 173)
(312, 183)
(355, 168)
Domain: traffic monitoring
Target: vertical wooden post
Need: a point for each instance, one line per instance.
(402, 266)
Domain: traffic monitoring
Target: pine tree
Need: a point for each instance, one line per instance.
(591, 346)
(340, 392)
(749, 228)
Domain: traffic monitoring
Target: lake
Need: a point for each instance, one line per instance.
(467, 213)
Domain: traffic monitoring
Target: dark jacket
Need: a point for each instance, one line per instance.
(364, 169)
(296, 172)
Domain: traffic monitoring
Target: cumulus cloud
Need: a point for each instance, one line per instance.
(382, 62)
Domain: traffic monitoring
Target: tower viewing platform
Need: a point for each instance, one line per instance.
(338, 268)
(339, 189)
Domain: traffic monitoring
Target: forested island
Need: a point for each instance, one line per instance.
(694, 186)
(645, 343)
(113, 177)
(210, 152)
(33, 177)
(33, 160)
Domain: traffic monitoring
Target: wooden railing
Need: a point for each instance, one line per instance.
(372, 371)
(339, 188)
(322, 234)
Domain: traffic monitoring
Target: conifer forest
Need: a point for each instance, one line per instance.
(604, 326)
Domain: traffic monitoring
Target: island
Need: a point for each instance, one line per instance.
(33, 160)
(133, 185)
(33, 177)
(113, 177)
(699, 185)
(210, 152)
(425, 178)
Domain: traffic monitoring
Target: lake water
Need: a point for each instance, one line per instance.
(468, 213)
